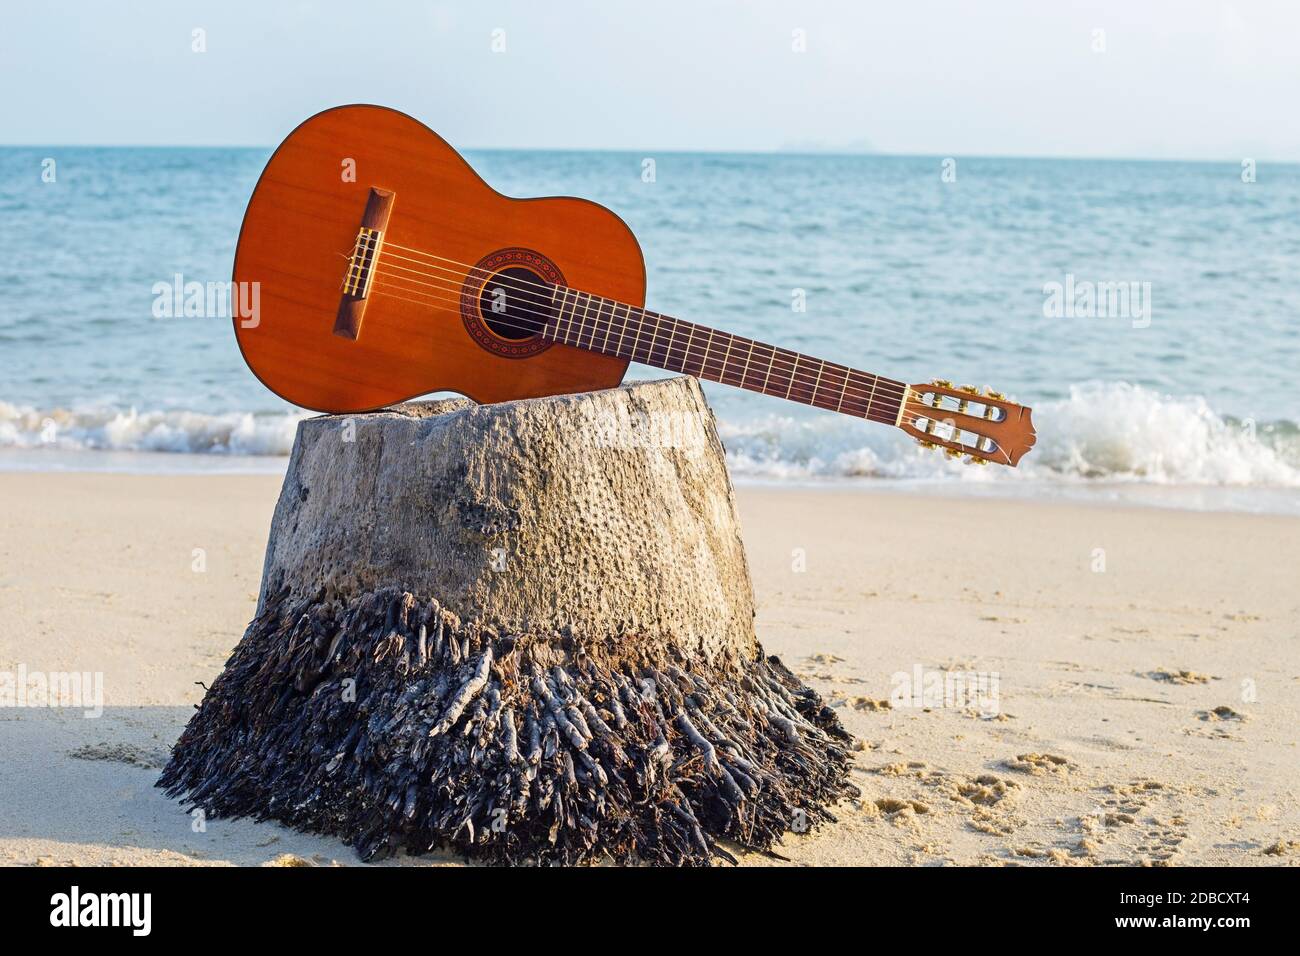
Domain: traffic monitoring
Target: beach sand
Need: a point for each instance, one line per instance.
(1147, 668)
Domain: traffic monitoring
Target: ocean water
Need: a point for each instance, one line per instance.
(1187, 397)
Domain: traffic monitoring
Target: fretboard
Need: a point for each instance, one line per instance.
(615, 328)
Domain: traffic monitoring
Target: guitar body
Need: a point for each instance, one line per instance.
(446, 233)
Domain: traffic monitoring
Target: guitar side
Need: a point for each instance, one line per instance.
(301, 226)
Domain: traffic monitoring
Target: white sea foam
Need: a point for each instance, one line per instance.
(1103, 432)
(117, 429)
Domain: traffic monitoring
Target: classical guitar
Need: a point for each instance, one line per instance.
(387, 269)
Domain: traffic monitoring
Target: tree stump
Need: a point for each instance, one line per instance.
(523, 630)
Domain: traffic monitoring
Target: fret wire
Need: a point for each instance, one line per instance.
(640, 327)
(749, 358)
(785, 355)
(594, 315)
(768, 377)
(559, 318)
(586, 314)
(848, 383)
(690, 341)
(722, 372)
(566, 309)
(636, 339)
(573, 314)
(595, 322)
(654, 339)
(622, 331)
(875, 382)
(624, 349)
(571, 331)
(765, 345)
(609, 325)
(575, 320)
(586, 302)
(669, 350)
(551, 312)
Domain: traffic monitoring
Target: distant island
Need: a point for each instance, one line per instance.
(823, 146)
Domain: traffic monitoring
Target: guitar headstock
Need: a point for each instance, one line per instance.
(962, 420)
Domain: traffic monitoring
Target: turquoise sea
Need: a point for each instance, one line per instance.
(1188, 396)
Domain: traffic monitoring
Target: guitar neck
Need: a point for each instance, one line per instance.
(615, 328)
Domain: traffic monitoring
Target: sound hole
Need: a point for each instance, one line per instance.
(516, 303)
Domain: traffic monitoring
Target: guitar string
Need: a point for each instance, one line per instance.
(900, 393)
(890, 390)
(724, 368)
(785, 364)
(882, 397)
(914, 419)
(883, 390)
(911, 418)
(479, 271)
(891, 393)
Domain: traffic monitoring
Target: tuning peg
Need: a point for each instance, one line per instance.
(992, 394)
(968, 388)
(952, 453)
(942, 383)
(927, 444)
(976, 461)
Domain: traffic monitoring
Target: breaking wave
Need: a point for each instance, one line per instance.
(116, 429)
(1101, 432)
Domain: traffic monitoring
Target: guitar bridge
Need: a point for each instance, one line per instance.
(362, 263)
(364, 251)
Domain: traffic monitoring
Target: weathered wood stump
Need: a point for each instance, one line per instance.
(524, 630)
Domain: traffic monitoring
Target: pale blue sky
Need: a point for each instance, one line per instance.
(1195, 79)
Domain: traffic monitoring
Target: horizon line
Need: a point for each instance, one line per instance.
(775, 151)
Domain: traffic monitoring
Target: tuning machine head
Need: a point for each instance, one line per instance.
(966, 421)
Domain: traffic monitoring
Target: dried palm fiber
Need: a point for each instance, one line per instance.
(521, 630)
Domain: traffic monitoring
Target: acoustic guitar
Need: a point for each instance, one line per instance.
(386, 268)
